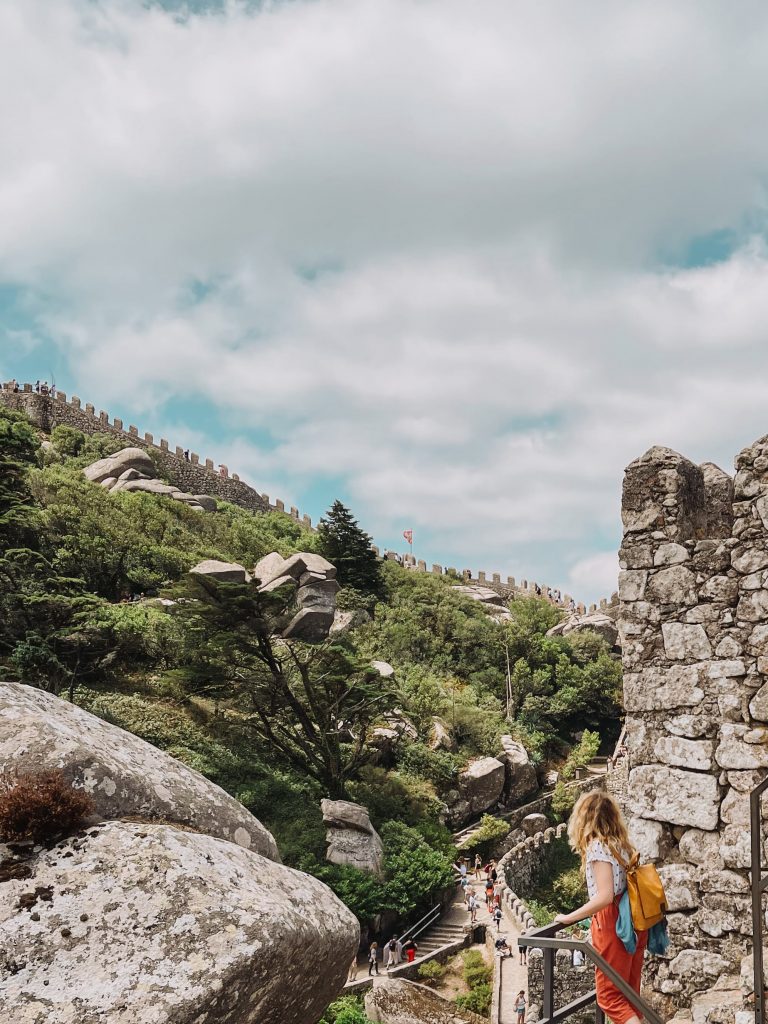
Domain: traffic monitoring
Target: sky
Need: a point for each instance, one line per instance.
(454, 263)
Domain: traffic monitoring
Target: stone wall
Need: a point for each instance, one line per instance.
(195, 476)
(693, 624)
(570, 982)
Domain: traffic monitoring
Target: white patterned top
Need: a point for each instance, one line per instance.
(598, 851)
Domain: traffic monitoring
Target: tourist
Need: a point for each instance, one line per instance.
(461, 867)
(398, 951)
(572, 605)
(53, 390)
(493, 873)
(502, 947)
(497, 915)
(373, 963)
(520, 1006)
(523, 955)
(489, 894)
(391, 948)
(410, 950)
(478, 865)
(598, 833)
(352, 972)
(186, 454)
(37, 387)
(472, 905)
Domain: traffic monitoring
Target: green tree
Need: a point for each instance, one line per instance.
(18, 448)
(310, 703)
(341, 540)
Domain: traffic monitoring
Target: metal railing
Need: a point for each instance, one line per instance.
(424, 922)
(544, 939)
(759, 885)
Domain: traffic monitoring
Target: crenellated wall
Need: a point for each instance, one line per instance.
(693, 625)
(194, 475)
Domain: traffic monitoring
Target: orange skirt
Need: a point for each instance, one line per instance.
(607, 943)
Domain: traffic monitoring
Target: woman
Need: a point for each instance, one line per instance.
(597, 832)
(478, 865)
(520, 1006)
(373, 963)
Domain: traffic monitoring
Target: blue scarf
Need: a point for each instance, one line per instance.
(658, 939)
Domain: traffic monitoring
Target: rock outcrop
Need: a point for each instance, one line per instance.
(596, 622)
(135, 922)
(520, 779)
(311, 579)
(393, 1001)
(479, 787)
(441, 738)
(131, 469)
(222, 572)
(533, 823)
(125, 776)
(488, 599)
(352, 839)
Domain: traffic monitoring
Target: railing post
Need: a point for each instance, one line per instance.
(548, 999)
(599, 1015)
(757, 900)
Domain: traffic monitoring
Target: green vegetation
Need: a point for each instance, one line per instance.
(561, 888)
(347, 1010)
(477, 975)
(431, 971)
(85, 577)
(490, 832)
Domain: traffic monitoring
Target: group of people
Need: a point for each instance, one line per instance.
(42, 388)
(491, 888)
(393, 953)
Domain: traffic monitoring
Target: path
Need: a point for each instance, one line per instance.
(513, 976)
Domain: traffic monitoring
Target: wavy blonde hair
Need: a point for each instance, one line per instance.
(597, 816)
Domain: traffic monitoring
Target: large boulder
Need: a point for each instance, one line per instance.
(115, 465)
(441, 738)
(222, 572)
(394, 1001)
(125, 776)
(520, 779)
(136, 922)
(480, 787)
(311, 625)
(311, 589)
(534, 823)
(346, 621)
(352, 839)
(596, 622)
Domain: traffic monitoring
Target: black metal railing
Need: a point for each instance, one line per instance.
(759, 885)
(430, 918)
(544, 939)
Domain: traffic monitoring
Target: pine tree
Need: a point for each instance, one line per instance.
(348, 547)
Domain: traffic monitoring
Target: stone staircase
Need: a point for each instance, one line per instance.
(441, 933)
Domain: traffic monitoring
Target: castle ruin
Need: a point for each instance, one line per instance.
(693, 624)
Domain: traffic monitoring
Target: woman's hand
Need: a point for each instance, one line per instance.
(561, 919)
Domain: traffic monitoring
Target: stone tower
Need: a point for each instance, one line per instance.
(694, 631)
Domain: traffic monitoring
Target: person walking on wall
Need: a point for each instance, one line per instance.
(373, 963)
(497, 917)
(598, 833)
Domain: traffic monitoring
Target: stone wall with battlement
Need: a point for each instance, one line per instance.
(200, 475)
(693, 624)
(195, 475)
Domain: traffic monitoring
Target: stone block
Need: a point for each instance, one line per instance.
(674, 795)
(685, 753)
(647, 837)
(749, 559)
(720, 588)
(753, 606)
(675, 585)
(310, 624)
(741, 747)
(702, 848)
(685, 642)
(659, 689)
(670, 554)
(679, 882)
(632, 584)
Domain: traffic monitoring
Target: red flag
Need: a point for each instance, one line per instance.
(408, 534)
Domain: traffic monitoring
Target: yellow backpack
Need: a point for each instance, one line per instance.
(647, 899)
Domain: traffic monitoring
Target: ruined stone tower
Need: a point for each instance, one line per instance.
(694, 632)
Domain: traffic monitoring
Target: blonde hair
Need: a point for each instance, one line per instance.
(597, 817)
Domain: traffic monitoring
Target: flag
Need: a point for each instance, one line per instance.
(408, 534)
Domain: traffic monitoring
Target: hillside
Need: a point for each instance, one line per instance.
(97, 605)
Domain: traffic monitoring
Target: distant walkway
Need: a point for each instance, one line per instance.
(513, 976)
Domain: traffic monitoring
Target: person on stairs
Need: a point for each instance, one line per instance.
(598, 833)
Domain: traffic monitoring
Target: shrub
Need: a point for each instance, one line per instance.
(476, 970)
(41, 806)
(431, 971)
(437, 766)
(569, 890)
(67, 440)
(490, 832)
(478, 1000)
(563, 800)
(581, 755)
(347, 1010)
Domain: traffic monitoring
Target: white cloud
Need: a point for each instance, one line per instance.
(418, 242)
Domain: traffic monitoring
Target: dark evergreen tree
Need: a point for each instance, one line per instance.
(348, 547)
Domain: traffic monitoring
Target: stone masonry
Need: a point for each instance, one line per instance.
(693, 624)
